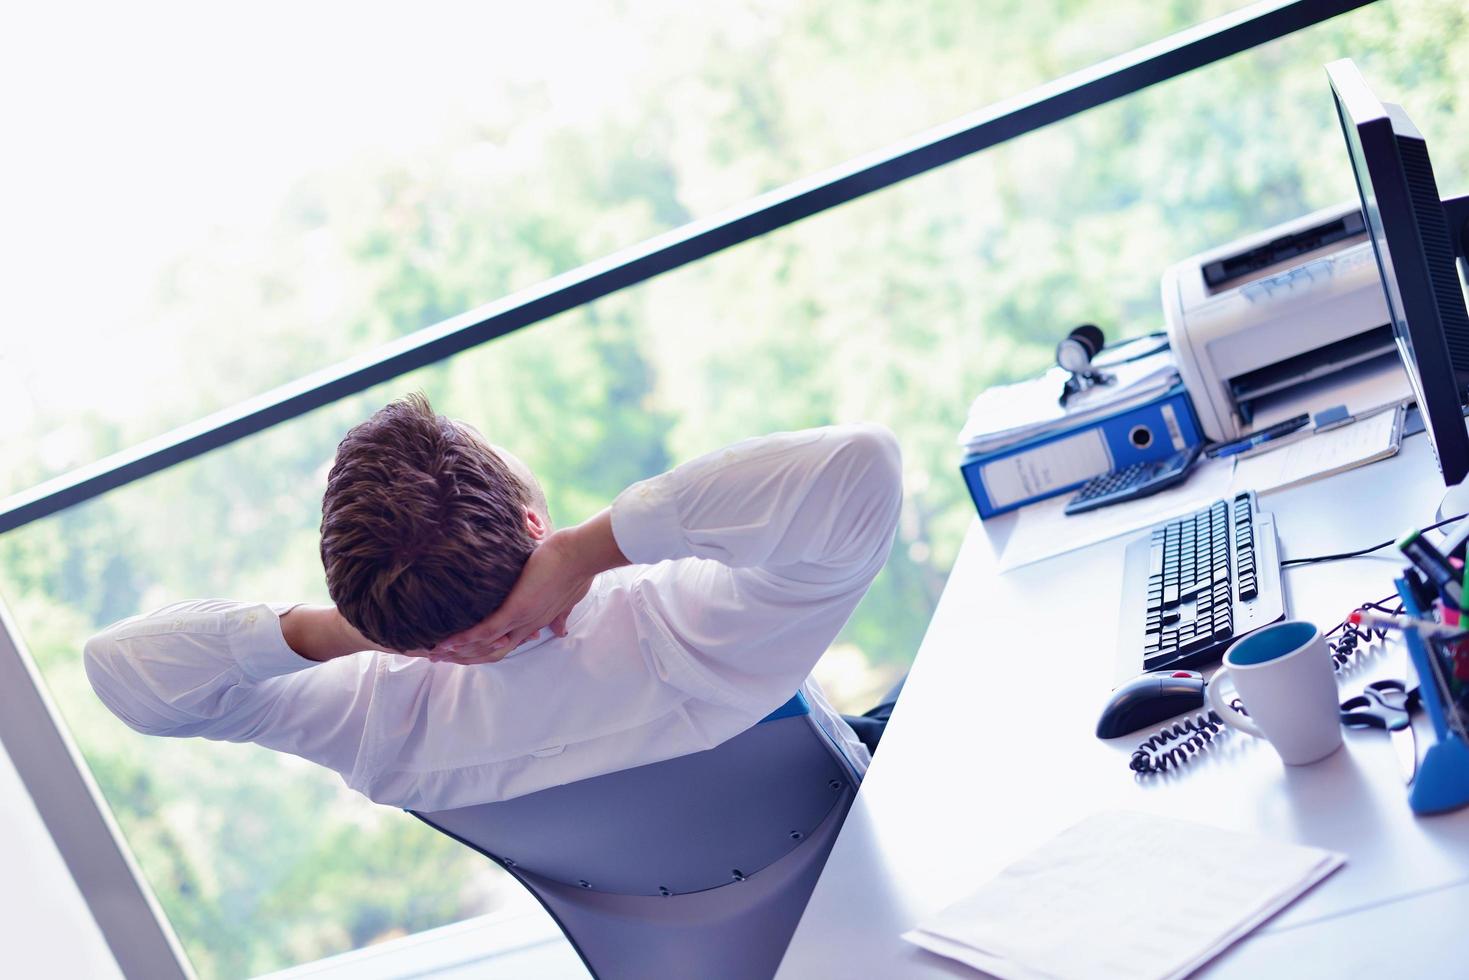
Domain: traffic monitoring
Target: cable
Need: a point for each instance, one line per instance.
(1352, 634)
(1193, 736)
(1363, 551)
(1102, 361)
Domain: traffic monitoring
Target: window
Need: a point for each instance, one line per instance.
(211, 202)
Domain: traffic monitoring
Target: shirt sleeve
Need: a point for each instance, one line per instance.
(222, 670)
(767, 546)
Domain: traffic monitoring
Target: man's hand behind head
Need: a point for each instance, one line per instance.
(557, 576)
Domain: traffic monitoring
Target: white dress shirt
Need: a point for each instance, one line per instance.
(746, 564)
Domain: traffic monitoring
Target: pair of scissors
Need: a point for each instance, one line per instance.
(1387, 705)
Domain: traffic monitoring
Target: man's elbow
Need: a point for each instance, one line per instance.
(882, 458)
(102, 657)
(105, 663)
(873, 493)
(98, 655)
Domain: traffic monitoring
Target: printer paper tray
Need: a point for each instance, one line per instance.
(1357, 349)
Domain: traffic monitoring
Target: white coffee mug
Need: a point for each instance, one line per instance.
(1284, 679)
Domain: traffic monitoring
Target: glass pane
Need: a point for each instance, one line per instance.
(899, 308)
(202, 204)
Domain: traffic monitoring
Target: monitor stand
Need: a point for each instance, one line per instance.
(1454, 502)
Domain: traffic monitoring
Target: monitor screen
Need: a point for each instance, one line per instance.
(1410, 237)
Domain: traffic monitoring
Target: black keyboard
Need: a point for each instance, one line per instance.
(1196, 584)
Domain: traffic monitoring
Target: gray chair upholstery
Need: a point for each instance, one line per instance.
(698, 866)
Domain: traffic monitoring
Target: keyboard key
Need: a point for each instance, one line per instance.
(1158, 660)
(1196, 643)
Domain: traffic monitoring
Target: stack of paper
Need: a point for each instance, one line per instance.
(1008, 414)
(1124, 895)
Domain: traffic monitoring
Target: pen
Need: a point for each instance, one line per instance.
(1382, 621)
(1434, 566)
(1263, 436)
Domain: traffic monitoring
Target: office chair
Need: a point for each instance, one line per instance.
(697, 866)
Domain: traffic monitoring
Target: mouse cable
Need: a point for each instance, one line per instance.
(1288, 562)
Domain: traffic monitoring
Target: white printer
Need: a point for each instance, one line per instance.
(1258, 317)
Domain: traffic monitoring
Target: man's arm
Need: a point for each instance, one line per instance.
(320, 633)
(227, 671)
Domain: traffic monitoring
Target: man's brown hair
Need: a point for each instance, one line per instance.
(422, 527)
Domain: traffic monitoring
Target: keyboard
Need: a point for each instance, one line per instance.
(1195, 584)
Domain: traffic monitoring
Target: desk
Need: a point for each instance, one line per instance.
(991, 752)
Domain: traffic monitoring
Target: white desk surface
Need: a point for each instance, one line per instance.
(991, 751)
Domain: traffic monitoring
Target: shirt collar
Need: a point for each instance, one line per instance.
(546, 633)
(531, 643)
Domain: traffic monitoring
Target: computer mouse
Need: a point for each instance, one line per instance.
(1150, 698)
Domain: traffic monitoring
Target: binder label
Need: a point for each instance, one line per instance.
(1046, 468)
(1170, 419)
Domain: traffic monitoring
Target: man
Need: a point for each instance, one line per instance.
(474, 653)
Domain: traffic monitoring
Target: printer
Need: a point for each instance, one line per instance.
(1255, 319)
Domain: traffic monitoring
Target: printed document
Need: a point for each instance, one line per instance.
(1086, 905)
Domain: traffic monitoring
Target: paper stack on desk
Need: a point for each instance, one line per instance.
(1124, 895)
(1008, 414)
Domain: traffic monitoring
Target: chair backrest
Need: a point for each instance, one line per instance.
(695, 866)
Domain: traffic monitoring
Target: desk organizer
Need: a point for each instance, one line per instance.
(1443, 772)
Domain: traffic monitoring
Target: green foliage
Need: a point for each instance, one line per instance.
(898, 307)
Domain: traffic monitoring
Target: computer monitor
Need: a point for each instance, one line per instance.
(1409, 227)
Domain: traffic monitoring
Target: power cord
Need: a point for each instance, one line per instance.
(1362, 551)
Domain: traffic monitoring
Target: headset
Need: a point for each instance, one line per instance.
(1078, 353)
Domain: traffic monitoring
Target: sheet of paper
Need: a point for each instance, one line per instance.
(1042, 530)
(1356, 444)
(1124, 895)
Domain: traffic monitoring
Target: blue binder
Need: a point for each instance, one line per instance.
(1059, 462)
